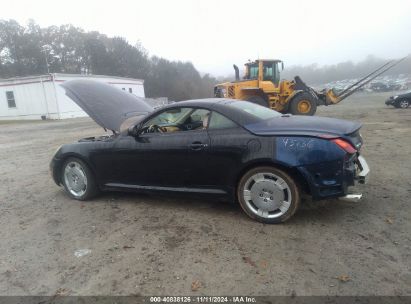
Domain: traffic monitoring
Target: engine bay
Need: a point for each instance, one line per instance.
(97, 138)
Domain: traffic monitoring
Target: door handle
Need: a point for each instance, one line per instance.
(197, 146)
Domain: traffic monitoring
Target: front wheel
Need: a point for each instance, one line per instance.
(78, 180)
(303, 104)
(402, 104)
(268, 195)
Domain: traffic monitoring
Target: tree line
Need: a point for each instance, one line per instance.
(33, 50)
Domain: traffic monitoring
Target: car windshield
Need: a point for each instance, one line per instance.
(255, 110)
(171, 116)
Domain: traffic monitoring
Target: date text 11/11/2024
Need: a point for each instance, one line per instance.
(203, 299)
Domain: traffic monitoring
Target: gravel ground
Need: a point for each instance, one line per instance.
(159, 245)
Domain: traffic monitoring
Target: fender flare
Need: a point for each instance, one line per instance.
(302, 177)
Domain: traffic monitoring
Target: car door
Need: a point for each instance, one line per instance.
(229, 147)
(171, 159)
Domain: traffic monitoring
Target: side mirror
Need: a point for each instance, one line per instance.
(282, 66)
(134, 130)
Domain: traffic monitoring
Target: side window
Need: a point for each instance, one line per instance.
(170, 117)
(218, 121)
(197, 120)
(276, 76)
(268, 72)
(254, 72)
(178, 119)
(10, 99)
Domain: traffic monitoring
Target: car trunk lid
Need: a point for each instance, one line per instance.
(324, 127)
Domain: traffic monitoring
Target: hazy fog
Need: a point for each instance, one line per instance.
(213, 34)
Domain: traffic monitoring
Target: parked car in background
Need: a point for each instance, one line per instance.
(220, 147)
(402, 101)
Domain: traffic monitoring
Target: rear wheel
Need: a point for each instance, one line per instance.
(303, 104)
(78, 180)
(257, 100)
(268, 195)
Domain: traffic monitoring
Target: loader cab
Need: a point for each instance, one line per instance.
(264, 70)
(251, 71)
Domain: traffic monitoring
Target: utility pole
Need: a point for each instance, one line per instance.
(46, 49)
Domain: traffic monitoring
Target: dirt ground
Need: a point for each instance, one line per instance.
(159, 245)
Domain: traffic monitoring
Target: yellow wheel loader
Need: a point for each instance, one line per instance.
(261, 84)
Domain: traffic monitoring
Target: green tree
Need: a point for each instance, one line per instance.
(25, 50)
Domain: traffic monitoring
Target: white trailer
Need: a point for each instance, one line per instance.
(41, 97)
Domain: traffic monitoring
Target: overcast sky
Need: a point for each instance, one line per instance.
(214, 34)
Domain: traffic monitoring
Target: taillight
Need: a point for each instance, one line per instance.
(346, 146)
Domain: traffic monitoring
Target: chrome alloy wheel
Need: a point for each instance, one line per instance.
(75, 179)
(404, 104)
(267, 195)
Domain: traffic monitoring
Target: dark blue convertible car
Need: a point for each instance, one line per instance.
(402, 101)
(221, 147)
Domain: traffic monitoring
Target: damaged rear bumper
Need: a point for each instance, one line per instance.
(364, 170)
(334, 179)
(362, 176)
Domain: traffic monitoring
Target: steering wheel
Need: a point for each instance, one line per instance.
(155, 128)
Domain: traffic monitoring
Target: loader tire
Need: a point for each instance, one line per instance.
(303, 104)
(257, 100)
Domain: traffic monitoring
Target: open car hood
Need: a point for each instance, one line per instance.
(107, 105)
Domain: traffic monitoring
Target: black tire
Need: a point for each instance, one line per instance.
(257, 100)
(402, 104)
(303, 104)
(90, 188)
(292, 194)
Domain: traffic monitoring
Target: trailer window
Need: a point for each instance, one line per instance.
(130, 90)
(10, 99)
